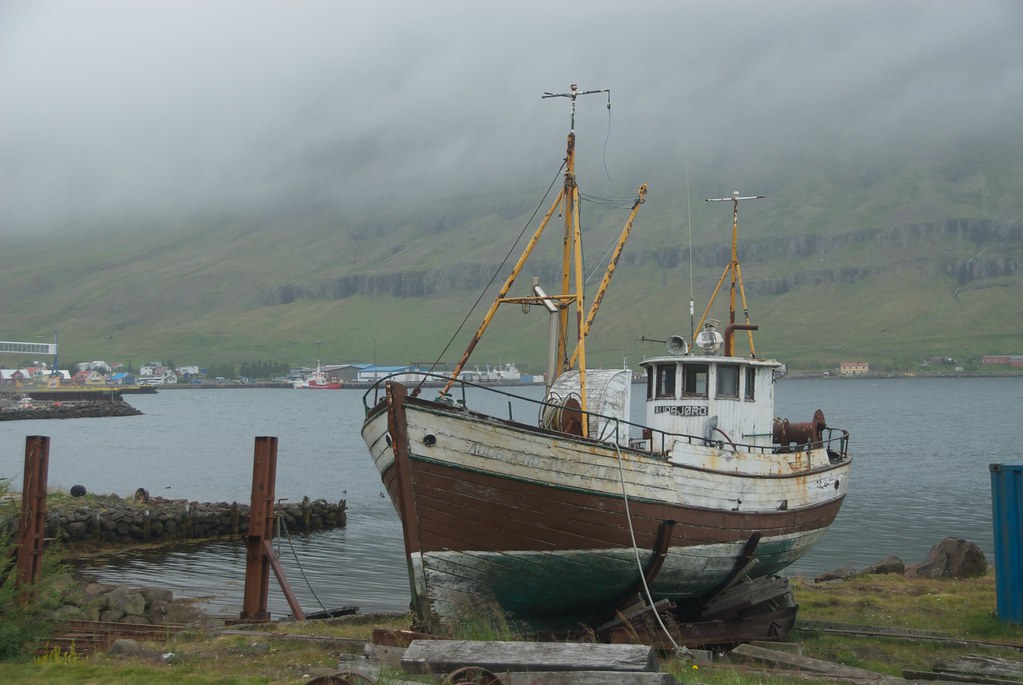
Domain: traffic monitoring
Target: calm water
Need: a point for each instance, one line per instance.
(922, 449)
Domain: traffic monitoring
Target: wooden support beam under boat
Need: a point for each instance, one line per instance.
(660, 552)
(743, 563)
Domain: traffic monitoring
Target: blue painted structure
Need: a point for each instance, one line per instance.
(1007, 513)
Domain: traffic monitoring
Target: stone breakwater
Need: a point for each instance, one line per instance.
(111, 521)
(35, 409)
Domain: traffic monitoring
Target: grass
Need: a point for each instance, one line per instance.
(961, 608)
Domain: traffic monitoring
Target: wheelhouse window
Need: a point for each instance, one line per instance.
(727, 381)
(666, 380)
(695, 380)
(751, 383)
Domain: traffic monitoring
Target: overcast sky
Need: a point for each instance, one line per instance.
(125, 107)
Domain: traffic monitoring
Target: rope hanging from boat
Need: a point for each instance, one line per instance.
(635, 548)
(499, 270)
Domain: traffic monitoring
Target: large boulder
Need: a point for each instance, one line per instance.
(951, 558)
(128, 600)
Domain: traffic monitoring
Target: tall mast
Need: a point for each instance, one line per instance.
(572, 256)
(571, 294)
(736, 272)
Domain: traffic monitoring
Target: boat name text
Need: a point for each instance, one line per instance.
(682, 410)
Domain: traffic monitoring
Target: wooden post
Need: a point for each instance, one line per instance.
(33, 512)
(260, 555)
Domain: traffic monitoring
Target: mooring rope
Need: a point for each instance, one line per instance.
(635, 548)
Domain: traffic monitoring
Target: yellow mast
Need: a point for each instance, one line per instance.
(572, 290)
(735, 270)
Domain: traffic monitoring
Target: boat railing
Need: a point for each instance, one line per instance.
(640, 437)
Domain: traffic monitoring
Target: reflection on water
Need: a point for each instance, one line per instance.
(325, 571)
(921, 449)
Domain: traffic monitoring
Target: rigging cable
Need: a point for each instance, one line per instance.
(635, 548)
(497, 271)
(605, 255)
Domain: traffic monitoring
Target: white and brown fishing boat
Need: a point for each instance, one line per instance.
(567, 519)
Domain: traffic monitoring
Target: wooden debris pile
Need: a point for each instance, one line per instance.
(461, 662)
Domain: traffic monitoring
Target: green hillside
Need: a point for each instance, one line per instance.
(890, 258)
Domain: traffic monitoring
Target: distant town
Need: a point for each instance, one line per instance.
(97, 374)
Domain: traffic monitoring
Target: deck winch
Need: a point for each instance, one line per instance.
(786, 432)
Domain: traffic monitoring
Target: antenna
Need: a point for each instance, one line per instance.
(572, 94)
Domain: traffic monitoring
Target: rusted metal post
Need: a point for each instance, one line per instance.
(261, 526)
(260, 555)
(33, 512)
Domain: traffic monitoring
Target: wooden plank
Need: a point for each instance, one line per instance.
(805, 663)
(444, 656)
(272, 635)
(787, 675)
(585, 678)
(745, 595)
(975, 664)
(900, 633)
(636, 611)
(955, 678)
(832, 626)
(790, 647)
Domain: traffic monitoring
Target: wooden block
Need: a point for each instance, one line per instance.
(790, 647)
(586, 678)
(975, 664)
(955, 678)
(388, 655)
(805, 663)
(444, 656)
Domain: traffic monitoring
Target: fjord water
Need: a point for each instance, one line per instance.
(921, 452)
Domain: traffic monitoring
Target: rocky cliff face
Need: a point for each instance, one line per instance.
(473, 277)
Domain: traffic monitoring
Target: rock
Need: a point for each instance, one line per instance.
(889, 564)
(153, 594)
(836, 574)
(96, 589)
(178, 612)
(951, 558)
(68, 612)
(128, 600)
(91, 611)
(125, 647)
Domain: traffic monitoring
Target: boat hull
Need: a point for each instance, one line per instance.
(556, 529)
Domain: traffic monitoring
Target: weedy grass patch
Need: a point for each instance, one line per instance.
(964, 609)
